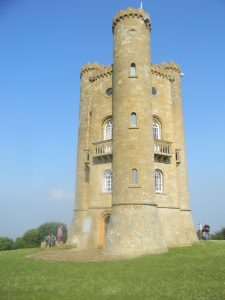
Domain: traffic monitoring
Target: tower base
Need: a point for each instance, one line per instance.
(75, 234)
(177, 226)
(134, 230)
(188, 226)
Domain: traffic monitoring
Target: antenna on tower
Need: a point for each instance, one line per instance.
(141, 5)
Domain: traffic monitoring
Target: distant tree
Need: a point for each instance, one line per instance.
(6, 243)
(219, 235)
(33, 237)
(30, 239)
(51, 228)
(19, 243)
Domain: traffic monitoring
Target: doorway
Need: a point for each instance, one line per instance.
(103, 224)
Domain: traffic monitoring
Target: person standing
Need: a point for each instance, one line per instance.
(48, 240)
(206, 232)
(59, 234)
(199, 231)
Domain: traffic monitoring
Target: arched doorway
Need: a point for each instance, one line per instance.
(103, 224)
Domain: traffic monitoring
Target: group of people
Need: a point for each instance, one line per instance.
(51, 240)
(203, 232)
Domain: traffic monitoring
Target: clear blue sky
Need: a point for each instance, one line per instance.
(43, 44)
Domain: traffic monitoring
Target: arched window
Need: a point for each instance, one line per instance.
(133, 119)
(134, 176)
(158, 181)
(107, 129)
(156, 127)
(133, 70)
(107, 181)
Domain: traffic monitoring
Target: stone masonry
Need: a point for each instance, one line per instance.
(131, 183)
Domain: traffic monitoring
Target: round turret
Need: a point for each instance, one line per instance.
(133, 165)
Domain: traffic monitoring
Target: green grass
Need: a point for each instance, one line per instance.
(196, 272)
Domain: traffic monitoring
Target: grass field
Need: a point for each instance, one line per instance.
(196, 272)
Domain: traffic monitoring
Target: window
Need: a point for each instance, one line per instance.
(133, 70)
(87, 173)
(156, 129)
(158, 181)
(134, 176)
(107, 129)
(133, 119)
(154, 91)
(177, 156)
(107, 181)
(109, 92)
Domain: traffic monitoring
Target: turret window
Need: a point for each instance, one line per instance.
(154, 91)
(158, 181)
(134, 176)
(133, 71)
(107, 129)
(156, 127)
(107, 181)
(133, 119)
(109, 92)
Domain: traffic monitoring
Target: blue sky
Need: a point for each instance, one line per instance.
(43, 45)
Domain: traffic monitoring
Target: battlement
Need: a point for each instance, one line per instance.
(104, 72)
(166, 70)
(98, 71)
(91, 67)
(171, 66)
(131, 13)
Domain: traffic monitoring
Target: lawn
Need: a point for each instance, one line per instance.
(196, 272)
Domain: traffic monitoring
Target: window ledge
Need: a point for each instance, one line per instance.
(133, 76)
(134, 186)
(134, 127)
(159, 193)
(105, 193)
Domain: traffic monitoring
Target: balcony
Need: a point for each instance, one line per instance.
(162, 151)
(102, 151)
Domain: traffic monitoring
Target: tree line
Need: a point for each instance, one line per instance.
(33, 237)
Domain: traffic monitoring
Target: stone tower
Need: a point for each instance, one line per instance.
(131, 190)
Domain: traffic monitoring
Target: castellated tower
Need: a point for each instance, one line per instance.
(131, 187)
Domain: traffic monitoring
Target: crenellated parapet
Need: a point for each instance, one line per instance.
(105, 72)
(166, 70)
(159, 71)
(91, 68)
(171, 66)
(130, 13)
(96, 71)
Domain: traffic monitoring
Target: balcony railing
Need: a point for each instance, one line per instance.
(102, 148)
(162, 148)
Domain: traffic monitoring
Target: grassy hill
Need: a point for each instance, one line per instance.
(196, 272)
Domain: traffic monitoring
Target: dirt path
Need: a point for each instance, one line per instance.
(74, 255)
